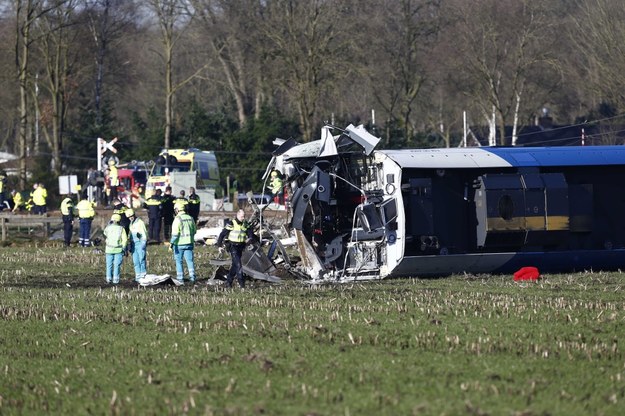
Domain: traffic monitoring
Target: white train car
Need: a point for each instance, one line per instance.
(359, 213)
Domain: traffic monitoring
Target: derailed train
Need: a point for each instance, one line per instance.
(361, 214)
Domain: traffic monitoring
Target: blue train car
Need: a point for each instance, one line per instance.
(359, 213)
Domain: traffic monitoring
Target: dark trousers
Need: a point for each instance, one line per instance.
(85, 232)
(236, 269)
(167, 222)
(154, 229)
(68, 229)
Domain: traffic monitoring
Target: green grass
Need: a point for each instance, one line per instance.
(459, 345)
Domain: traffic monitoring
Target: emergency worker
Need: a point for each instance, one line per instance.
(116, 241)
(3, 180)
(18, 201)
(120, 208)
(182, 200)
(153, 205)
(40, 196)
(137, 243)
(67, 211)
(86, 213)
(167, 212)
(113, 178)
(182, 239)
(277, 188)
(234, 236)
(194, 204)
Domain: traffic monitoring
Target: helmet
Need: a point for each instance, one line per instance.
(179, 207)
(274, 173)
(116, 218)
(130, 212)
(111, 161)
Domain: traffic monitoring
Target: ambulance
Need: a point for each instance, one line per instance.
(172, 161)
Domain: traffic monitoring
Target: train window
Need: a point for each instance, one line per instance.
(506, 207)
(203, 171)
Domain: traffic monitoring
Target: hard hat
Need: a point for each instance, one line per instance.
(116, 218)
(274, 173)
(111, 161)
(130, 212)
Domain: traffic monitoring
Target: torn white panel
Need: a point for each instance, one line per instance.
(361, 136)
(328, 145)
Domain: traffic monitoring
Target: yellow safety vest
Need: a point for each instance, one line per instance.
(238, 231)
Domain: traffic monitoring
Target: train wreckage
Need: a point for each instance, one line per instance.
(356, 213)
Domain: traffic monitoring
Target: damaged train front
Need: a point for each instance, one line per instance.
(345, 207)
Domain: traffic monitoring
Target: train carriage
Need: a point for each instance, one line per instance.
(359, 213)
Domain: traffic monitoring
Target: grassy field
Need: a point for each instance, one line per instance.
(460, 345)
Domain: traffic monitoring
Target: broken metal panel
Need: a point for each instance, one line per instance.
(361, 136)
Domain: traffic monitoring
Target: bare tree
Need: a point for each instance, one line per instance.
(59, 55)
(404, 34)
(230, 31)
(598, 31)
(500, 45)
(174, 16)
(107, 21)
(309, 41)
(27, 12)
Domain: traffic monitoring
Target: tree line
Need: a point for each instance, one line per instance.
(231, 75)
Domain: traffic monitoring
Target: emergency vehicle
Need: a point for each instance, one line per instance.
(203, 163)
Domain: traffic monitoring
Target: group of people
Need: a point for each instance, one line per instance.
(161, 212)
(126, 233)
(37, 203)
(236, 234)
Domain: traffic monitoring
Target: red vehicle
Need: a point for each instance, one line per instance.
(131, 186)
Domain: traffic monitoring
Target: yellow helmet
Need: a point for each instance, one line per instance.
(180, 207)
(130, 212)
(111, 161)
(116, 218)
(274, 173)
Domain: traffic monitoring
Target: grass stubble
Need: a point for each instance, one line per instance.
(458, 345)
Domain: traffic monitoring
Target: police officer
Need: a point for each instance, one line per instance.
(194, 204)
(67, 211)
(116, 241)
(237, 233)
(182, 200)
(86, 212)
(182, 239)
(137, 243)
(167, 212)
(153, 205)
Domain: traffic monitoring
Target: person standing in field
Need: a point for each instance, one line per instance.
(86, 213)
(153, 205)
(167, 211)
(67, 211)
(194, 204)
(234, 236)
(116, 241)
(138, 243)
(182, 240)
(40, 196)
